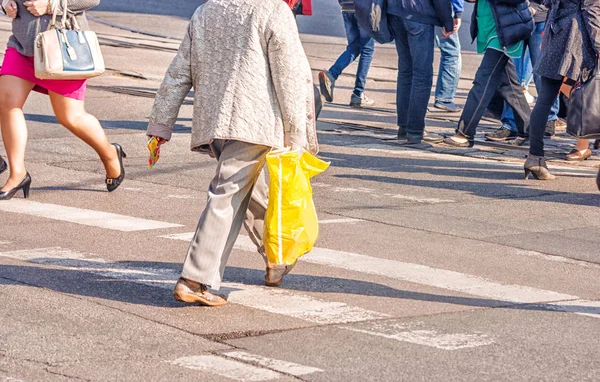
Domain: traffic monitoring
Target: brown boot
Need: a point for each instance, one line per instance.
(193, 292)
(275, 272)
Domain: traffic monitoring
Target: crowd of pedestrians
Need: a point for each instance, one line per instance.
(555, 42)
(249, 54)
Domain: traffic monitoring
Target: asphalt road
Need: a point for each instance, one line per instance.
(435, 266)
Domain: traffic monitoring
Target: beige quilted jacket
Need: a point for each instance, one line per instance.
(251, 78)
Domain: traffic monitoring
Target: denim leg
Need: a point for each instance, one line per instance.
(508, 118)
(421, 41)
(487, 79)
(548, 90)
(508, 114)
(535, 49)
(364, 63)
(510, 89)
(352, 50)
(405, 69)
(450, 68)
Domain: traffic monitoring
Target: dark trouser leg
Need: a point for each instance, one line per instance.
(510, 89)
(404, 80)
(487, 79)
(549, 88)
(421, 42)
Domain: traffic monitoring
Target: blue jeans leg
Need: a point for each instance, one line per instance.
(450, 67)
(364, 62)
(414, 44)
(355, 45)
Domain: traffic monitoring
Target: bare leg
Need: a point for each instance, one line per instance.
(13, 94)
(72, 115)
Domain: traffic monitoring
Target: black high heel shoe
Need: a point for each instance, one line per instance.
(3, 165)
(537, 166)
(113, 183)
(24, 185)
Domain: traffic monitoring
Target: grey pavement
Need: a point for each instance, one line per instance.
(432, 263)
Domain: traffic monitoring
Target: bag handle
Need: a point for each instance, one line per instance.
(63, 21)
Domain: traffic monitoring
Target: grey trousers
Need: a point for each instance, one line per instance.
(237, 195)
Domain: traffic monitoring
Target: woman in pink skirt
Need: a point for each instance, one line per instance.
(17, 80)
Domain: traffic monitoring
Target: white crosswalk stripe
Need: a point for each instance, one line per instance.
(415, 273)
(227, 368)
(416, 333)
(278, 301)
(273, 364)
(86, 217)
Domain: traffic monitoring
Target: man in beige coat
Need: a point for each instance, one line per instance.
(253, 91)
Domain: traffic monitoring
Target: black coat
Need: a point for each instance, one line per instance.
(513, 18)
(571, 40)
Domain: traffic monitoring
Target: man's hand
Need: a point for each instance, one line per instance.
(457, 24)
(37, 7)
(446, 34)
(11, 9)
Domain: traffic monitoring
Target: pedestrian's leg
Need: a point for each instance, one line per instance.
(255, 215)
(404, 79)
(364, 62)
(510, 89)
(449, 69)
(352, 49)
(13, 94)
(421, 41)
(549, 88)
(535, 51)
(71, 114)
(487, 79)
(229, 195)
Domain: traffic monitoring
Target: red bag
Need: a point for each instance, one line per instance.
(300, 7)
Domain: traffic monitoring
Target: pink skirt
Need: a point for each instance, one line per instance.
(15, 64)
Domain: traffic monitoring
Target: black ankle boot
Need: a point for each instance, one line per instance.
(537, 166)
(24, 185)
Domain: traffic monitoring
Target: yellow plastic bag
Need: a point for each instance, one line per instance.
(291, 225)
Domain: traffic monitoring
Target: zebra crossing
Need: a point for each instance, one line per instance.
(294, 304)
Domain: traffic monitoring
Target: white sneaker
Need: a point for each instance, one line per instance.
(361, 101)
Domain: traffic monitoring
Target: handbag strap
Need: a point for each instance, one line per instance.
(63, 21)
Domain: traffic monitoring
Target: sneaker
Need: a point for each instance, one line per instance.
(450, 107)
(3, 165)
(432, 138)
(528, 96)
(500, 135)
(560, 125)
(550, 129)
(326, 83)
(192, 292)
(518, 141)
(363, 100)
(275, 272)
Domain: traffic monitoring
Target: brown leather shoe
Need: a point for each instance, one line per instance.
(275, 272)
(193, 292)
(576, 155)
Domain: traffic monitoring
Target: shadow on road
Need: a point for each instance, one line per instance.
(150, 284)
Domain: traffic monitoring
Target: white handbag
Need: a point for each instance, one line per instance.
(65, 52)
